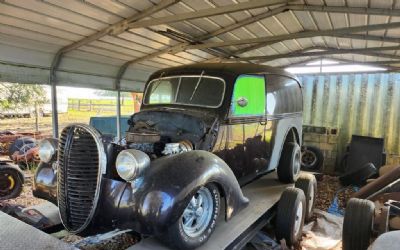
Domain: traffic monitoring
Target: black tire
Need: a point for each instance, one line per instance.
(19, 144)
(286, 216)
(357, 224)
(11, 181)
(175, 236)
(308, 184)
(311, 158)
(289, 163)
(359, 176)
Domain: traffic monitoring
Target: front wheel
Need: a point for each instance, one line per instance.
(197, 221)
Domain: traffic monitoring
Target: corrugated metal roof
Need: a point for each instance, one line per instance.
(32, 32)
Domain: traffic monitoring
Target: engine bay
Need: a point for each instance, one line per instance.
(158, 134)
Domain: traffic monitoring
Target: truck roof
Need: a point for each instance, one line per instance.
(222, 68)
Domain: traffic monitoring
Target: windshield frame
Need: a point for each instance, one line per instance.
(179, 84)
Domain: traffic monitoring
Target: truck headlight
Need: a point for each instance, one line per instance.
(47, 149)
(131, 163)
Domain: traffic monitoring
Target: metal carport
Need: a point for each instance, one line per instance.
(115, 45)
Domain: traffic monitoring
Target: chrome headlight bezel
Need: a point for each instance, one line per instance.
(48, 149)
(131, 163)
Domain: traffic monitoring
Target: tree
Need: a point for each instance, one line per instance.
(15, 96)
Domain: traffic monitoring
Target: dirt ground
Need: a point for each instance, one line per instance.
(44, 124)
(327, 187)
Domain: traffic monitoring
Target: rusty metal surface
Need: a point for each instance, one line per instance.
(361, 104)
(379, 185)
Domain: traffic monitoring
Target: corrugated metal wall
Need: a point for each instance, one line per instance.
(361, 104)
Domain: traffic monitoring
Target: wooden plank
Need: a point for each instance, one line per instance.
(262, 193)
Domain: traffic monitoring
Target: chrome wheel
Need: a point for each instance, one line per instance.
(298, 219)
(198, 214)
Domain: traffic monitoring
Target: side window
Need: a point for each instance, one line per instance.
(248, 96)
(283, 95)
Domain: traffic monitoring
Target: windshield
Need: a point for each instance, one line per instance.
(187, 90)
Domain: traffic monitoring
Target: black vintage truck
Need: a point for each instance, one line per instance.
(203, 132)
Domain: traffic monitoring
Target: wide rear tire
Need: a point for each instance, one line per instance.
(183, 235)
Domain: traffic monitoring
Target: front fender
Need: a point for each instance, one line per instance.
(163, 192)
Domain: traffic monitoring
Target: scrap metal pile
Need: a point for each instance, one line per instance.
(21, 148)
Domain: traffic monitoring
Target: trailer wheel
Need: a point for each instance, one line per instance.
(290, 163)
(11, 182)
(290, 216)
(357, 224)
(308, 184)
(197, 222)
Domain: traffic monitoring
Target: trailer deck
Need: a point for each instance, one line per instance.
(263, 194)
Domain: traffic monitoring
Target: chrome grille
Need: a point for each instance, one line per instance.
(78, 176)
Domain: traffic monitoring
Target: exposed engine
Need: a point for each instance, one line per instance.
(144, 137)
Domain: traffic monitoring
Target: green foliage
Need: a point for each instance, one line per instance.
(16, 96)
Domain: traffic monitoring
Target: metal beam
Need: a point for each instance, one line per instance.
(342, 9)
(350, 36)
(327, 51)
(181, 47)
(343, 63)
(370, 38)
(254, 4)
(304, 34)
(120, 26)
(114, 29)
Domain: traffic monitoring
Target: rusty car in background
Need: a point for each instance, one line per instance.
(203, 131)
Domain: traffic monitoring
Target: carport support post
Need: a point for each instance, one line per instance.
(117, 86)
(52, 83)
(54, 111)
(119, 114)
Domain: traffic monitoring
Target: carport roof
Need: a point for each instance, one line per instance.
(91, 42)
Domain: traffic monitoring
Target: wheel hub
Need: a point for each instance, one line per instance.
(308, 158)
(197, 215)
(299, 215)
(7, 184)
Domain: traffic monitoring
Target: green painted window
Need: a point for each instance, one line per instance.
(249, 96)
